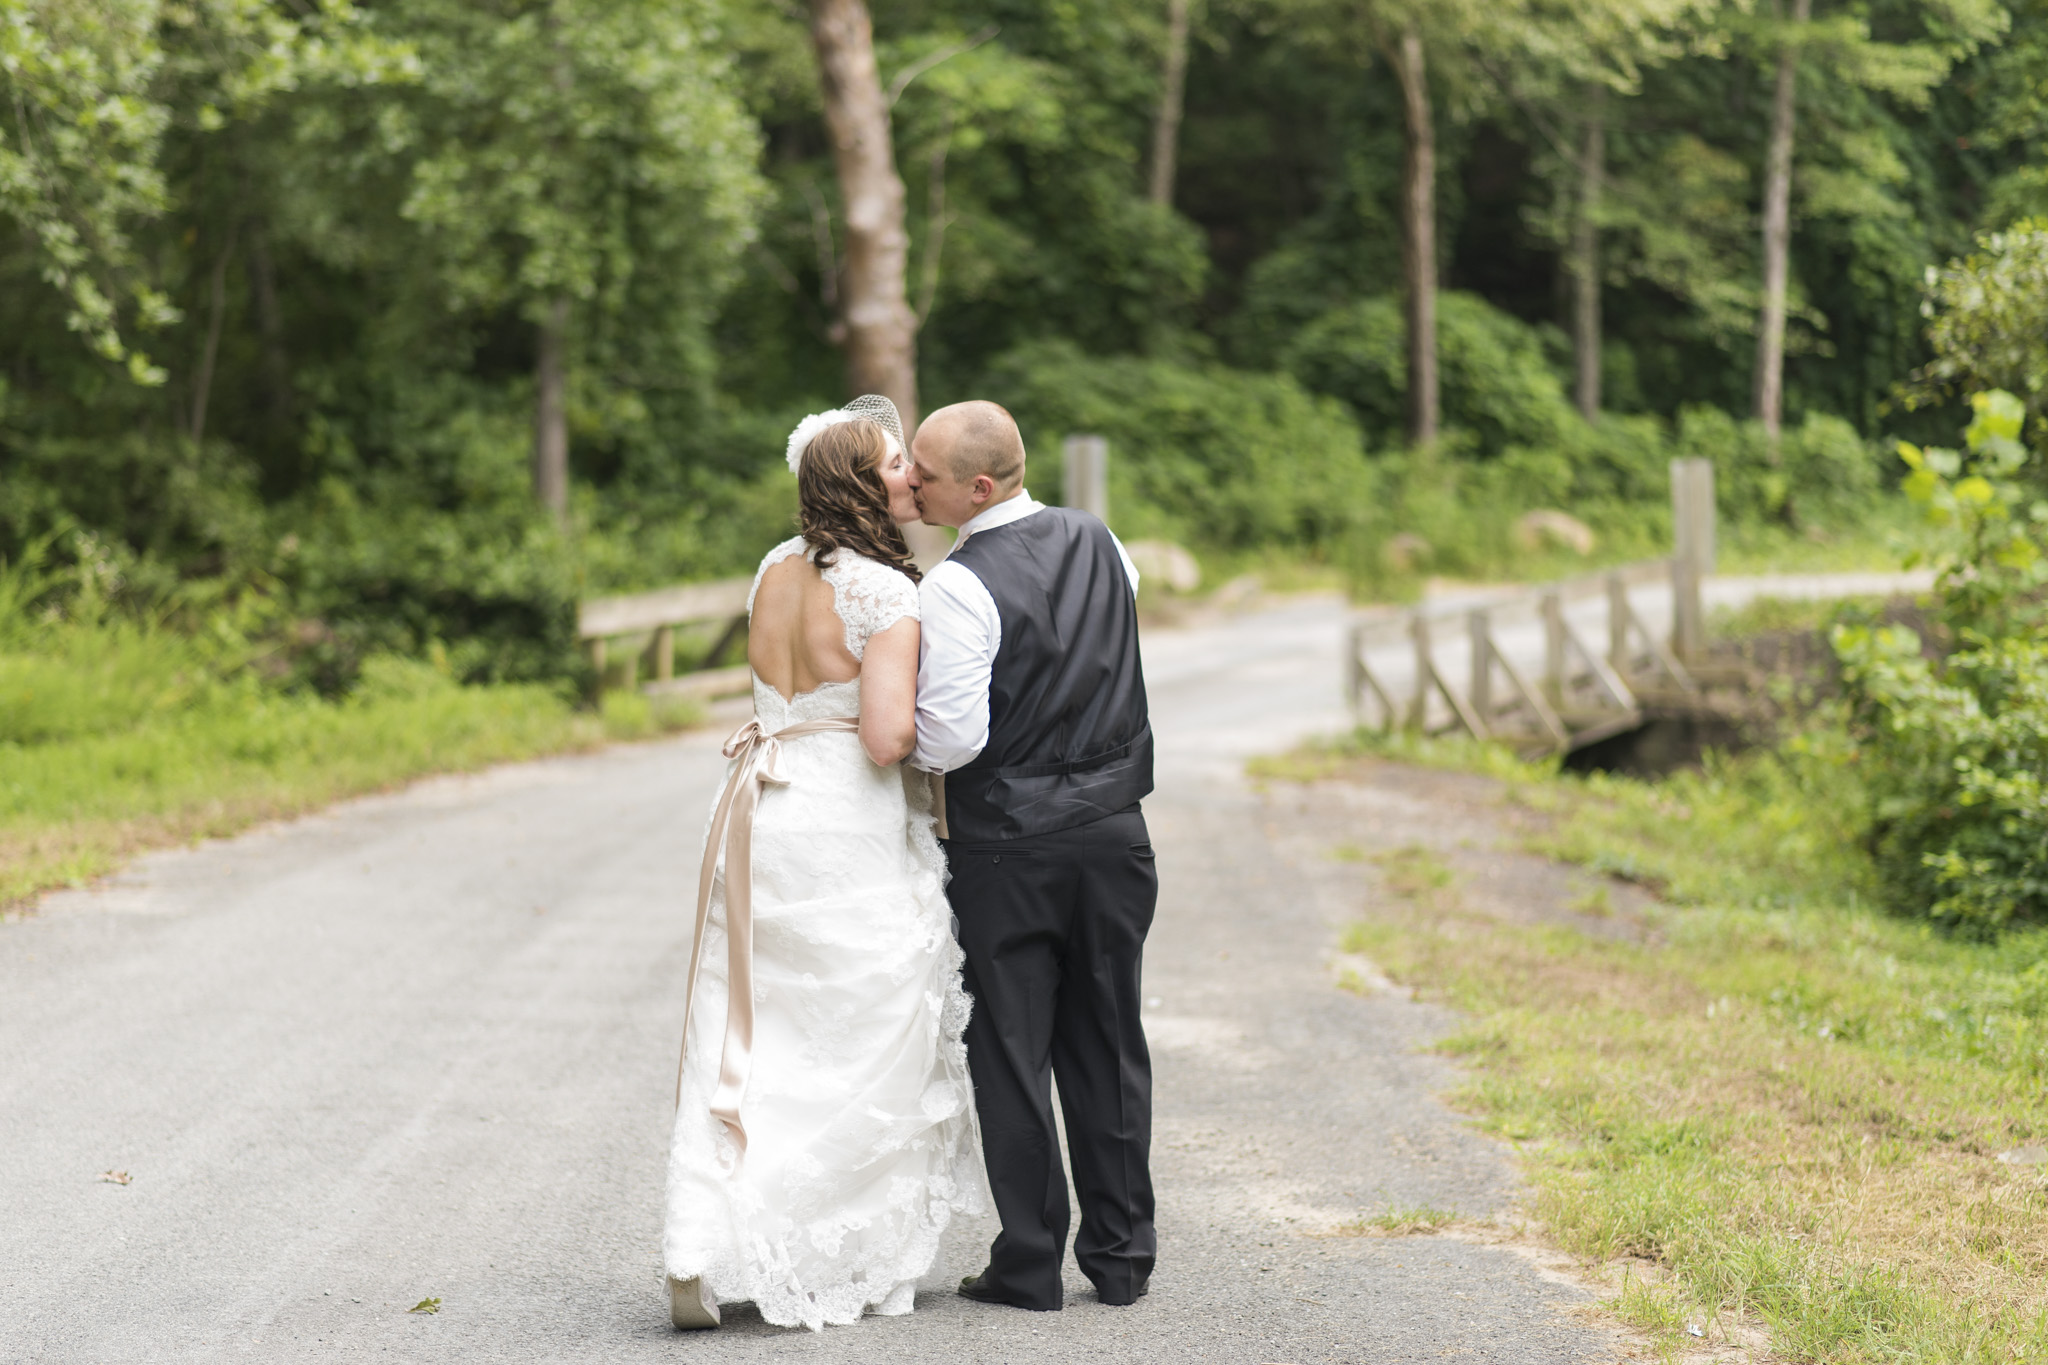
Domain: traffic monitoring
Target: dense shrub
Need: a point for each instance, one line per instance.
(1503, 400)
(1496, 382)
(1990, 319)
(1956, 748)
(1204, 454)
(1820, 471)
(495, 583)
(167, 507)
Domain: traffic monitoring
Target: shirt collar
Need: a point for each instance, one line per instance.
(1001, 514)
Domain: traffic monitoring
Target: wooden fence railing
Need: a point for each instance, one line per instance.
(1582, 693)
(1585, 691)
(657, 615)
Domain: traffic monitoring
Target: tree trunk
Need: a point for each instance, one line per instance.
(217, 298)
(277, 369)
(1586, 261)
(1173, 86)
(876, 324)
(1777, 234)
(551, 411)
(1418, 241)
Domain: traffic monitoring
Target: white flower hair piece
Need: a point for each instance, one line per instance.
(869, 407)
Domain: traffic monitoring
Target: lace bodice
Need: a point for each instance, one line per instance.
(868, 595)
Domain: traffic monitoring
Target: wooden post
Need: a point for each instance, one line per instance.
(1693, 518)
(1692, 559)
(1553, 646)
(1425, 668)
(631, 659)
(597, 660)
(1479, 625)
(664, 653)
(1085, 483)
(1354, 669)
(1617, 622)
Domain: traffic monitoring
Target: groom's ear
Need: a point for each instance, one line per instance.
(983, 487)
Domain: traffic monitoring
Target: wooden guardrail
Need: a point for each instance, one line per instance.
(1583, 693)
(657, 615)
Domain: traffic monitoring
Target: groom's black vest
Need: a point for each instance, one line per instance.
(1069, 740)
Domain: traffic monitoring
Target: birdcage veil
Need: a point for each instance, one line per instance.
(871, 407)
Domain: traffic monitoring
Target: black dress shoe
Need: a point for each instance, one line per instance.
(983, 1290)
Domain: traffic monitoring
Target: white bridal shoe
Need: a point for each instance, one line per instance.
(691, 1304)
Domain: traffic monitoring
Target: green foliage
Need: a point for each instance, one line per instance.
(1960, 750)
(381, 573)
(1819, 472)
(1989, 312)
(1210, 455)
(2012, 115)
(586, 148)
(81, 167)
(159, 502)
(1956, 747)
(1505, 405)
(326, 237)
(93, 90)
(1496, 380)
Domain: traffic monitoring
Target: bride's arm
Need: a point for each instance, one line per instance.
(888, 693)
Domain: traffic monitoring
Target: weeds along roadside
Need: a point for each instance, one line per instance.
(1785, 1106)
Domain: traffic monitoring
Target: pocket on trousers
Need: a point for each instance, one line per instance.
(993, 853)
(1142, 851)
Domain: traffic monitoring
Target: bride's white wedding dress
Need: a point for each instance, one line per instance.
(860, 1132)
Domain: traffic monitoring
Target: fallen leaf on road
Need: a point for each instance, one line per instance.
(115, 1177)
(426, 1306)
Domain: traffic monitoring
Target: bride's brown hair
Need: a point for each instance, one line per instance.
(842, 503)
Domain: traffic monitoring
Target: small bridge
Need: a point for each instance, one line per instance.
(1550, 668)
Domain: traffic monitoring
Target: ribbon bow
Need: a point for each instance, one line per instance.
(757, 756)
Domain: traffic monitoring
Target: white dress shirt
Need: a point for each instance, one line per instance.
(956, 651)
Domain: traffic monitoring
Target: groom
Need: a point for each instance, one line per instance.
(1031, 702)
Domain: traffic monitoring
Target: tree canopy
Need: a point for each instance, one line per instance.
(302, 293)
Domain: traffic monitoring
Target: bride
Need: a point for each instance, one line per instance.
(824, 1131)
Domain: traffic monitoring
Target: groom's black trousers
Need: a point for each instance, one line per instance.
(1054, 930)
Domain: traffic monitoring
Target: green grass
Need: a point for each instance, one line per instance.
(1789, 1101)
(115, 739)
(1883, 535)
(1403, 1221)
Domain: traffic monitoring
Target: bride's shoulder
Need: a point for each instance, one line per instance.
(795, 545)
(879, 591)
(864, 569)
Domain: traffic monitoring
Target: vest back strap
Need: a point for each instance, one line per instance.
(1075, 765)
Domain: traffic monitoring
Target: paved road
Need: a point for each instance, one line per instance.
(421, 1046)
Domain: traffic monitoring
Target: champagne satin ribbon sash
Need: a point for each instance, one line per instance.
(732, 828)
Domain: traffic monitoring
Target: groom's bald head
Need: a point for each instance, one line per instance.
(976, 438)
